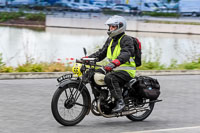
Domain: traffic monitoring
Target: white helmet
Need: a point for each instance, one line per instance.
(99, 78)
(118, 21)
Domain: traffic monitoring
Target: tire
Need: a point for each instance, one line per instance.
(194, 14)
(68, 105)
(143, 116)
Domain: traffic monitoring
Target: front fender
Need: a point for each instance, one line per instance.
(70, 81)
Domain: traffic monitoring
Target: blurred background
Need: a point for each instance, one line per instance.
(135, 7)
(48, 35)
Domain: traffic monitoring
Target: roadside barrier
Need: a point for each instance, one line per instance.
(47, 75)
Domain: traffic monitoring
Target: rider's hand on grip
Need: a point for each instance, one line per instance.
(109, 67)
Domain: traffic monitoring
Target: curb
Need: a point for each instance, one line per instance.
(48, 75)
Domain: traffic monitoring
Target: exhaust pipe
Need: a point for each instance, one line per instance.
(104, 115)
(124, 113)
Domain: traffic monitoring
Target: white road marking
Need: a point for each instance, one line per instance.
(165, 130)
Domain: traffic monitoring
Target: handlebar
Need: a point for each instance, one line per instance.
(79, 61)
(88, 61)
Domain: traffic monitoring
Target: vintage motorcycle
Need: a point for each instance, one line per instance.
(71, 102)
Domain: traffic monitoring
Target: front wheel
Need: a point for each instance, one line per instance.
(70, 105)
(144, 110)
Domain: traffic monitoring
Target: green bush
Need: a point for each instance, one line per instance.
(151, 66)
(7, 69)
(173, 65)
(3, 67)
(5, 16)
(30, 67)
(43, 67)
(22, 68)
(68, 68)
(161, 14)
(36, 17)
(55, 67)
(37, 68)
(190, 66)
(1, 61)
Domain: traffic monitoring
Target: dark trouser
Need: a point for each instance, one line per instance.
(115, 80)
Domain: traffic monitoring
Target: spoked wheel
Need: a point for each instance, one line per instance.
(69, 106)
(144, 110)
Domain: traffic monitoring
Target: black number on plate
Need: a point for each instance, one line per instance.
(63, 77)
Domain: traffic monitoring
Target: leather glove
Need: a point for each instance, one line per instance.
(116, 62)
(109, 67)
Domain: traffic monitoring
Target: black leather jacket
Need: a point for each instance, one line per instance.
(126, 44)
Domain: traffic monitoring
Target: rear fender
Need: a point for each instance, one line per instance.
(69, 81)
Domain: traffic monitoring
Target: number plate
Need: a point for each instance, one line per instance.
(63, 77)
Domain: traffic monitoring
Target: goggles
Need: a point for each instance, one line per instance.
(113, 26)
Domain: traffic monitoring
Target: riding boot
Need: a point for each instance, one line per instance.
(119, 106)
(117, 94)
(112, 82)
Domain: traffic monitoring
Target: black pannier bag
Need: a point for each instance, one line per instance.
(146, 87)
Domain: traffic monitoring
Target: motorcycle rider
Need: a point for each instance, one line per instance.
(119, 50)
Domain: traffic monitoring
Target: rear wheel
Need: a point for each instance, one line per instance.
(69, 106)
(144, 110)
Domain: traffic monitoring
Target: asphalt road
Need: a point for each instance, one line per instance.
(25, 108)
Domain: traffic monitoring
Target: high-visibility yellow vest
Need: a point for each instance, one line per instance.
(129, 66)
